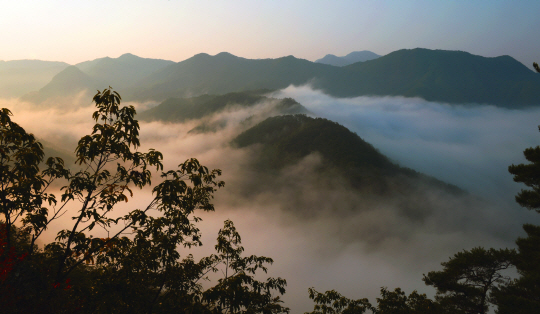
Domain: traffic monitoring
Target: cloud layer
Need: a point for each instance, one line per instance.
(319, 231)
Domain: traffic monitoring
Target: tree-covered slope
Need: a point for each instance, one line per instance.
(435, 75)
(183, 109)
(285, 140)
(123, 71)
(68, 82)
(438, 75)
(19, 77)
(224, 73)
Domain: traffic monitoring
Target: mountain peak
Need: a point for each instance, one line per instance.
(128, 56)
(225, 54)
(201, 55)
(353, 57)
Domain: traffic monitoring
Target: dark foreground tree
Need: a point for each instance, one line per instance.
(397, 302)
(390, 302)
(522, 295)
(138, 267)
(332, 302)
(465, 283)
(529, 174)
(238, 291)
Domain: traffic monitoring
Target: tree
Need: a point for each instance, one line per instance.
(529, 174)
(238, 291)
(396, 302)
(111, 167)
(332, 302)
(465, 283)
(139, 267)
(23, 188)
(522, 295)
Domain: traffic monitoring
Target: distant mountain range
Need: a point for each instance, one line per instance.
(122, 72)
(353, 57)
(22, 76)
(119, 73)
(435, 75)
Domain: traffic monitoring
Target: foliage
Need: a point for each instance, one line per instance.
(185, 109)
(332, 302)
(529, 175)
(396, 302)
(238, 291)
(465, 283)
(522, 294)
(138, 268)
(390, 302)
(23, 191)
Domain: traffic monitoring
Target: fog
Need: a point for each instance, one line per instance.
(321, 232)
(467, 145)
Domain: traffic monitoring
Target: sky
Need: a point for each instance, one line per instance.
(480, 139)
(76, 31)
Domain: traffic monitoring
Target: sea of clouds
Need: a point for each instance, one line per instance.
(327, 235)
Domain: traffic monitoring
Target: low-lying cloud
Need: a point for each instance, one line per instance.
(470, 146)
(321, 232)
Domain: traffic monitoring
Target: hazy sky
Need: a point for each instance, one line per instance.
(76, 31)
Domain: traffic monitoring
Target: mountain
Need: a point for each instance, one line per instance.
(454, 77)
(435, 75)
(443, 76)
(204, 106)
(353, 57)
(225, 73)
(19, 77)
(67, 83)
(287, 139)
(123, 71)
(294, 156)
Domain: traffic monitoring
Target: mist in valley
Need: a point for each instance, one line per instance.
(321, 231)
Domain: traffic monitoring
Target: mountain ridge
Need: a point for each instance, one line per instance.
(453, 77)
(353, 57)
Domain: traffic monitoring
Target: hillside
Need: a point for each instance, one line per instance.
(184, 109)
(438, 75)
(121, 72)
(285, 140)
(68, 82)
(435, 75)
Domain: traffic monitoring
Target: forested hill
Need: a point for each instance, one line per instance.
(435, 75)
(439, 75)
(224, 73)
(183, 109)
(122, 72)
(68, 82)
(287, 139)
